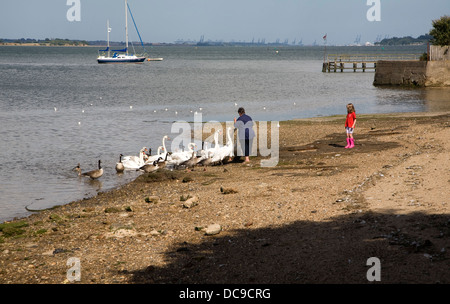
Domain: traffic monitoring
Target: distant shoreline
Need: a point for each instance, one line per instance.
(44, 44)
(198, 45)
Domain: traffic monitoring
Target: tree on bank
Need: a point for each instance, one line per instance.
(441, 31)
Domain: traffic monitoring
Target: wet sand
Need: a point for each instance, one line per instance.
(317, 217)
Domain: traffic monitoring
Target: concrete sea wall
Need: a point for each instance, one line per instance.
(400, 73)
(413, 73)
(438, 74)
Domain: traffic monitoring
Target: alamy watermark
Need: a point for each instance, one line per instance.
(74, 12)
(260, 134)
(74, 272)
(374, 272)
(374, 12)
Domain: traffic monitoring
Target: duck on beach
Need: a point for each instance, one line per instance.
(205, 162)
(148, 168)
(163, 163)
(190, 163)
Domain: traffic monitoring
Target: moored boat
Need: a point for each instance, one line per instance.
(122, 55)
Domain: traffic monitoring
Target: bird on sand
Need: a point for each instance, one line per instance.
(148, 168)
(190, 163)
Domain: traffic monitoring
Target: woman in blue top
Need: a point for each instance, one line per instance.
(244, 124)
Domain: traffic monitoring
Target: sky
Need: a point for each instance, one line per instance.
(166, 21)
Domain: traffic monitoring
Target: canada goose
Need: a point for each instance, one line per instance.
(119, 166)
(190, 163)
(94, 174)
(77, 169)
(207, 161)
(148, 168)
(162, 164)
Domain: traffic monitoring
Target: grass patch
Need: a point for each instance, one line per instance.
(20, 224)
(55, 218)
(159, 176)
(112, 210)
(40, 231)
(13, 229)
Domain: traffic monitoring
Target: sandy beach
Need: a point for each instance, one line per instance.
(317, 217)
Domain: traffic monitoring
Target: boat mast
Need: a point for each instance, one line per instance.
(108, 29)
(126, 25)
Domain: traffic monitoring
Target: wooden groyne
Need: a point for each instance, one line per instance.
(361, 62)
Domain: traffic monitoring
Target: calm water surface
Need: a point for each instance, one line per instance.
(58, 107)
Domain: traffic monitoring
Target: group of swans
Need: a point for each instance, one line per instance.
(187, 158)
(180, 157)
(226, 151)
(210, 156)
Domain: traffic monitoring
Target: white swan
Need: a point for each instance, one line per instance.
(216, 142)
(203, 153)
(162, 151)
(134, 162)
(226, 151)
(176, 158)
(164, 142)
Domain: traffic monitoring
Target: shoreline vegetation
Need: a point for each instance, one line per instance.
(45, 42)
(395, 41)
(316, 217)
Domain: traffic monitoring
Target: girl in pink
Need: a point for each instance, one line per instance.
(350, 125)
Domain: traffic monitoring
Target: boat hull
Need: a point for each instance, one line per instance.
(121, 60)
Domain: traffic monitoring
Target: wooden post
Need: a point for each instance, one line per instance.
(355, 65)
(342, 67)
(364, 66)
(324, 67)
(335, 65)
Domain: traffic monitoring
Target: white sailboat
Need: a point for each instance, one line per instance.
(120, 56)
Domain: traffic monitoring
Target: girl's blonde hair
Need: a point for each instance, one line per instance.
(350, 108)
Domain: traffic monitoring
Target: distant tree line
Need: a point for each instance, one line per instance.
(408, 40)
(46, 41)
(438, 35)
